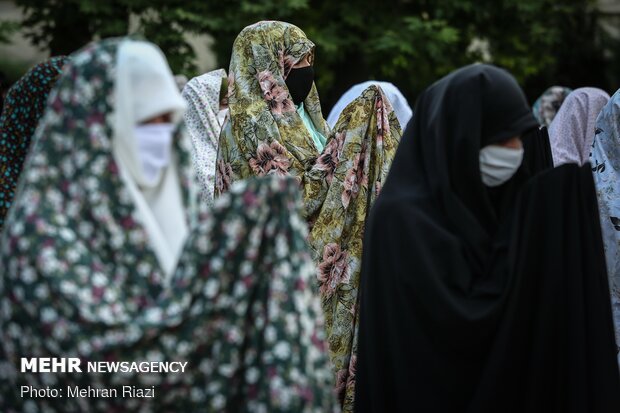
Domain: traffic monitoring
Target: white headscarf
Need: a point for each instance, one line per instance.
(202, 93)
(145, 88)
(399, 103)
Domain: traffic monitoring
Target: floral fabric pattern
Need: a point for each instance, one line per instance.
(548, 104)
(605, 162)
(270, 158)
(79, 278)
(275, 95)
(572, 131)
(397, 99)
(202, 94)
(266, 136)
(333, 270)
(23, 107)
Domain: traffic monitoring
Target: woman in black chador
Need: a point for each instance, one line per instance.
(484, 285)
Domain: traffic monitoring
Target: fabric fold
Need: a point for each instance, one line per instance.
(266, 136)
(23, 107)
(202, 94)
(572, 131)
(80, 278)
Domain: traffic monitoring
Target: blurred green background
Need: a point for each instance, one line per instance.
(408, 42)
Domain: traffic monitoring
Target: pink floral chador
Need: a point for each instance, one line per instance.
(266, 136)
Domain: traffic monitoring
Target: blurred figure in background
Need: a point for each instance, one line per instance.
(207, 98)
(572, 131)
(181, 81)
(24, 105)
(399, 102)
(547, 105)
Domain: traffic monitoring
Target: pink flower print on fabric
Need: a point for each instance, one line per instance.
(270, 158)
(275, 95)
(333, 270)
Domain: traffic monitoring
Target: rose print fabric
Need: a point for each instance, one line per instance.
(79, 278)
(203, 97)
(266, 136)
(24, 105)
(605, 162)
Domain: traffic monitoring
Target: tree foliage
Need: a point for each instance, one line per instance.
(408, 42)
(7, 29)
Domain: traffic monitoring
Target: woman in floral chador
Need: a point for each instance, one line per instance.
(23, 107)
(90, 266)
(605, 163)
(206, 112)
(276, 127)
(548, 104)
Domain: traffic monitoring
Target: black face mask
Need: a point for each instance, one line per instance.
(299, 83)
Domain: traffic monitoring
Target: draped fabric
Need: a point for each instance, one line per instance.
(537, 150)
(572, 131)
(80, 279)
(159, 201)
(478, 299)
(558, 280)
(605, 163)
(547, 105)
(266, 135)
(23, 107)
(399, 102)
(203, 96)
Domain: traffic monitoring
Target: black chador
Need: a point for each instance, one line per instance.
(478, 299)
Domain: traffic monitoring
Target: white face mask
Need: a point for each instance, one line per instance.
(154, 142)
(498, 164)
(221, 116)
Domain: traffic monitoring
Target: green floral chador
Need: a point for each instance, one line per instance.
(266, 135)
(80, 279)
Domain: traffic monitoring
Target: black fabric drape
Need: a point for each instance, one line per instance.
(555, 348)
(537, 148)
(458, 279)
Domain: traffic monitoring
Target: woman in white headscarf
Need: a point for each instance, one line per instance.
(399, 102)
(107, 255)
(145, 120)
(208, 107)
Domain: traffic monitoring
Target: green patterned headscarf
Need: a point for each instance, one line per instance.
(261, 108)
(265, 136)
(80, 279)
